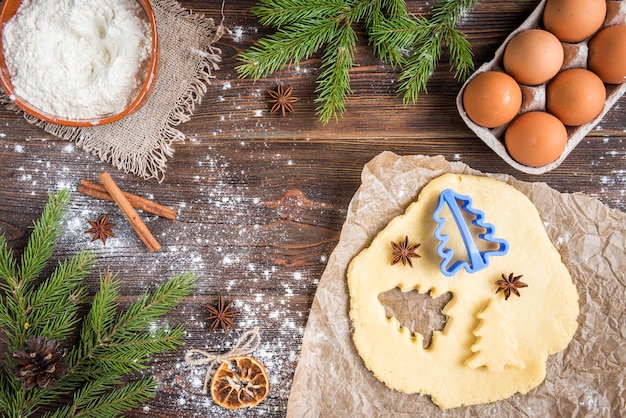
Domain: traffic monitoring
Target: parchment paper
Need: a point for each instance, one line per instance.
(586, 379)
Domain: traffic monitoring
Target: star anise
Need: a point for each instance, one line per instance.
(282, 99)
(101, 229)
(510, 285)
(402, 251)
(221, 315)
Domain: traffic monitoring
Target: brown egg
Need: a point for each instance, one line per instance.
(574, 20)
(535, 139)
(607, 54)
(575, 96)
(533, 56)
(492, 98)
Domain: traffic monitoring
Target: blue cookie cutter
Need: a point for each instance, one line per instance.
(477, 259)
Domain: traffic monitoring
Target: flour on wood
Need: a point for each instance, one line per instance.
(78, 59)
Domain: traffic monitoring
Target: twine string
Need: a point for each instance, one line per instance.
(246, 344)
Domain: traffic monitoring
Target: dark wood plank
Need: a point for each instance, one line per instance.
(262, 198)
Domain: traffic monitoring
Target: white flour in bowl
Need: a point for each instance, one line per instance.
(78, 59)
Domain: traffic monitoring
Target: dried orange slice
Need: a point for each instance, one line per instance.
(240, 382)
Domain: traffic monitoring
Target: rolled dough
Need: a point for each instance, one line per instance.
(490, 348)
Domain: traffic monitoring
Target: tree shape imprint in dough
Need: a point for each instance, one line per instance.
(419, 312)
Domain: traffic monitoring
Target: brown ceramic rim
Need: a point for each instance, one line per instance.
(9, 7)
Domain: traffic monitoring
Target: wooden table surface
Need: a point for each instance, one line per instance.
(262, 198)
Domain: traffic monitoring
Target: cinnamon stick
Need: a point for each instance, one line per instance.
(131, 214)
(93, 189)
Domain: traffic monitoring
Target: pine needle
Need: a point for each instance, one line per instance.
(119, 400)
(393, 38)
(288, 45)
(16, 282)
(99, 320)
(111, 344)
(460, 53)
(105, 397)
(422, 62)
(53, 306)
(152, 305)
(440, 31)
(413, 43)
(333, 84)
(121, 343)
(8, 266)
(46, 230)
(279, 13)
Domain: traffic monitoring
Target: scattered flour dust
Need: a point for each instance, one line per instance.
(237, 33)
(201, 244)
(78, 59)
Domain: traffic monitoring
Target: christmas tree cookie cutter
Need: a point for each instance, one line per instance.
(478, 260)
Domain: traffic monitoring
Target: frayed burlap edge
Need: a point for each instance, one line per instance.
(153, 164)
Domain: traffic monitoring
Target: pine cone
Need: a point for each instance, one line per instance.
(40, 363)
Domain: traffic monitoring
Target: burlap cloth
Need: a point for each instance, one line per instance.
(587, 379)
(142, 142)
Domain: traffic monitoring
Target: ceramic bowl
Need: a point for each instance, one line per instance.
(9, 8)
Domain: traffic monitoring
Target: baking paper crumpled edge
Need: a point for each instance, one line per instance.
(586, 379)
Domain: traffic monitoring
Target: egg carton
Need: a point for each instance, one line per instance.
(534, 97)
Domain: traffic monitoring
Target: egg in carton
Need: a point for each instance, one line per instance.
(534, 97)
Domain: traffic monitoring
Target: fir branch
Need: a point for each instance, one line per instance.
(309, 26)
(19, 294)
(421, 64)
(412, 43)
(93, 390)
(393, 38)
(90, 391)
(17, 281)
(394, 8)
(4, 384)
(460, 54)
(8, 387)
(356, 10)
(374, 14)
(114, 403)
(46, 230)
(152, 305)
(99, 320)
(111, 344)
(8, 321)
(8, 265)
(333, 83)
(279, 13)
(292, 44)
(116, 347)
(105, 397)
(450, 12)
(377, 18)
(128, 354)
(441, 32)
(53, 306)
(121, 343)
(20, 403)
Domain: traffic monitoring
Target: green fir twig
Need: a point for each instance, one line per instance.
(412, 43)
(104, 397)
(431, 38)
(56, 300)
(112, 344)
